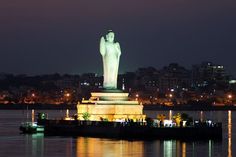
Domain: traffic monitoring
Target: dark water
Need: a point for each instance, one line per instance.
(14, 144)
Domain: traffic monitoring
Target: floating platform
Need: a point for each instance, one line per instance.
(130, 130)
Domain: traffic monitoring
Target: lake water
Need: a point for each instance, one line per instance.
(14, 144)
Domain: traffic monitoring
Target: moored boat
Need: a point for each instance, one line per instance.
(31, 127)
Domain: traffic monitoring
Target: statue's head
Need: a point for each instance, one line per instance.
(110, 36)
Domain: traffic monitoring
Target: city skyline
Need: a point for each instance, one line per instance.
(59, 36)
(207, 65)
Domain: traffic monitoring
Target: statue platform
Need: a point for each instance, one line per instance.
(112, 105)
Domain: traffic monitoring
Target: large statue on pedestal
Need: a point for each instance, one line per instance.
(110, 104)
(110, 52)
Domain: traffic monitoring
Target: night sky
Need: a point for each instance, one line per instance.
(49, 36)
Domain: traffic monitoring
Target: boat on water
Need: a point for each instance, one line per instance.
(31, 127)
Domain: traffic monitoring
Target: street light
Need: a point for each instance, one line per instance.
(230, 96)
(67, 97)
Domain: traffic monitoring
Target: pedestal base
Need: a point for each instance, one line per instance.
(110, 106)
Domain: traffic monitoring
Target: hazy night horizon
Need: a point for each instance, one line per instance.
(60, 36)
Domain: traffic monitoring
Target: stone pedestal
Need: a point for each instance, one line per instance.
(112, 106)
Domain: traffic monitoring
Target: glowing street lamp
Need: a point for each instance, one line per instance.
(229, 96)
(67, 97)
(32, 98)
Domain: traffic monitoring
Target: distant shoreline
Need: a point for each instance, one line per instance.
(37, 106)
(146, 107)
(189, 108)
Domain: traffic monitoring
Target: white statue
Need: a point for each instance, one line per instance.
(110, 52)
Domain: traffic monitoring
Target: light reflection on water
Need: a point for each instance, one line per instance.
(37, 145)
(229, 134)
(88, 147)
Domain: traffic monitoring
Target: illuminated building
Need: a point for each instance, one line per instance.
(174, 76)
